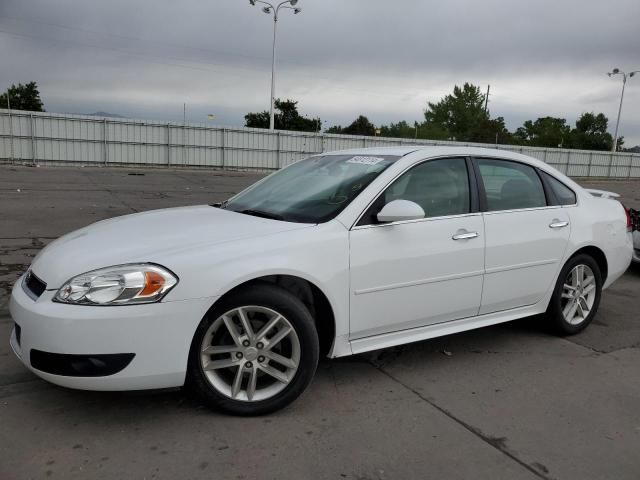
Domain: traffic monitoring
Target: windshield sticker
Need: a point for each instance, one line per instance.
(365, 160)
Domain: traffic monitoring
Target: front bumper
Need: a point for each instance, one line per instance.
(158, 334)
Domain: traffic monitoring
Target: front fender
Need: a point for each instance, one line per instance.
(319, 255)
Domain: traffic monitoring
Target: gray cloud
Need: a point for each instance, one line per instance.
(338, 58)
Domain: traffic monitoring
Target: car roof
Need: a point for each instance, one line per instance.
(416, 152)
(429, 150)
(425, 151)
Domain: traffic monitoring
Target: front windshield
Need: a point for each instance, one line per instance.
(313, 190)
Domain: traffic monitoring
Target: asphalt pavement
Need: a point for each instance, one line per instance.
(505, 402)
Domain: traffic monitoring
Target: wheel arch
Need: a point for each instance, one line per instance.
(599, 257)
(306, 291)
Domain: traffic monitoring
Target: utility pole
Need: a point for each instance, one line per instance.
(625, 76)
(10, 122)
(184, 134)
(486, 99)
(275, 9)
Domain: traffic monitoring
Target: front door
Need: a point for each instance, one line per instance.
(419, 272)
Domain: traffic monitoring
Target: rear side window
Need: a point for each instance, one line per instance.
(511, 185)
(564, 195)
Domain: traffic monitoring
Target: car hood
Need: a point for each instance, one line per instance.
(147, 237)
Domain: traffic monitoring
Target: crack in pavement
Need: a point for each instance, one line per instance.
(596, 351)
(109, 191)
(9, 379)
(499, 443)
(28, 238)
(23, 388)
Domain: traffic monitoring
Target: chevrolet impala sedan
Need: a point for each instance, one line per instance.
(335, 255)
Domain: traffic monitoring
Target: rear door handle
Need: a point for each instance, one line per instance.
(555, 223)
(465, 235)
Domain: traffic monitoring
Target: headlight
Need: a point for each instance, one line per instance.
(118, 285)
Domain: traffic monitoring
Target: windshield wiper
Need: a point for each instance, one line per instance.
(260, 213)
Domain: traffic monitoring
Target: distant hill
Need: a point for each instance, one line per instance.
(104, 114)
(99, 114)
(635, 149)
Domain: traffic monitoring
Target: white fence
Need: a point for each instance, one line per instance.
(47, 138)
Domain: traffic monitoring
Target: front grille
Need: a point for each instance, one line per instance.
(33, 286)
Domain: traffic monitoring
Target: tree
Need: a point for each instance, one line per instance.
(544, 132)
(23, 97)
(490, 131)
(423, 130)
(399, 130)
(334, 129)
(429, 131)
(591, 132)
(458, 114)
(258, 120)
(360, 126)
(286, 117)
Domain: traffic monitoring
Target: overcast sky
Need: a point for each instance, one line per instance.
(338, 58)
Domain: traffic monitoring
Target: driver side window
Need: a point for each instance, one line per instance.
(440, 187)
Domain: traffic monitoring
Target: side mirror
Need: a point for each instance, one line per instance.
(400, 210)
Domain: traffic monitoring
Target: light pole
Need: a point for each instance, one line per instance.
(275, 9)
(625, 76)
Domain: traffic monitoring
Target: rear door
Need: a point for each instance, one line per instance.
(526, 235)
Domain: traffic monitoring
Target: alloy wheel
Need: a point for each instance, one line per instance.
(250, 353)
(578, 294)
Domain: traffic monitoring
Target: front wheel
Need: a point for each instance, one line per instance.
(576, 296)
(255, 352)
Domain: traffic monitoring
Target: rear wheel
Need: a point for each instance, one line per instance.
(255, 352)
(576, 297)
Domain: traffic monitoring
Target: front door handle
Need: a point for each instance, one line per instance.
(555, 223)
(464, 235)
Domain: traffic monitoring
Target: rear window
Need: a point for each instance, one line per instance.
(564, 195)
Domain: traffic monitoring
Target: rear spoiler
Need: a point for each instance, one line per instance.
(602, 193)
(633, 216)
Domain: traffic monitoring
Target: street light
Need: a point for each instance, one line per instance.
(625, 76)
(269, 8)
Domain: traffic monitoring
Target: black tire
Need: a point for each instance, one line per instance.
(262, 295)
(555, 316)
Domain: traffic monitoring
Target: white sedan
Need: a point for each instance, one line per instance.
(337, 254)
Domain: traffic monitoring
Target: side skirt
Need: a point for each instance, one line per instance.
(392, 339)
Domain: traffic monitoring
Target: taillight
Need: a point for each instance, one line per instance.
(629, 222)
